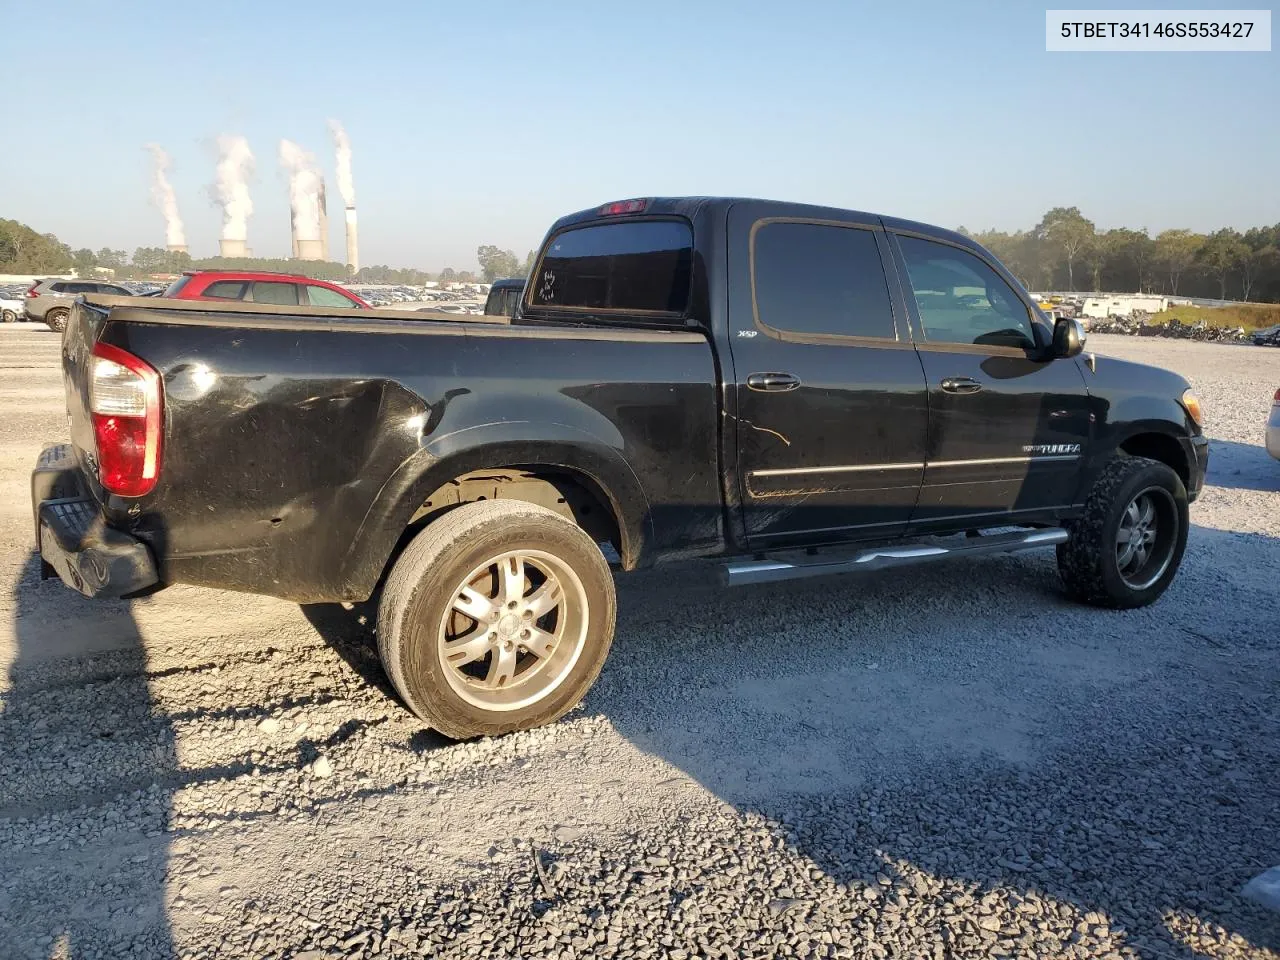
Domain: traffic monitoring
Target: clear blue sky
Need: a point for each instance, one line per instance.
(480, 123)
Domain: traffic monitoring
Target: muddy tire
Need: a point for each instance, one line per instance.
(57, 319)
(1126, 548)
(497, 617)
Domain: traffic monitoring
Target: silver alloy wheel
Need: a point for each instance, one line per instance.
(1146, 538)
(515, 629)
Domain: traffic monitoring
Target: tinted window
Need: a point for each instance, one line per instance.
(811, 278)
(324, 297)
(632, 266)
(58, 288)
(493, 304)
(285, 294)
(78, 288)
(224, 290)
(114, 291)
(513, 300)
(961, 299)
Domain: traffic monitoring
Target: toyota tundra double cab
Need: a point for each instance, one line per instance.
(801, 390)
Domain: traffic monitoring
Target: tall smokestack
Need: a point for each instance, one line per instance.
(324, 224)
(306, 190)
(347, 187)
(162, 195)
(231, 192)
(293, 229)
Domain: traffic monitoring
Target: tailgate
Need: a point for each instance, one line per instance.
(84, 326)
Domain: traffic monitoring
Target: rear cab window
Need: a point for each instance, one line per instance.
(632, 266)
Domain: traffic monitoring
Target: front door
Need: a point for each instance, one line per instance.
(831, 408)
(1008, 426)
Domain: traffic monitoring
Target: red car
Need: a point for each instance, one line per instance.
(283, 289)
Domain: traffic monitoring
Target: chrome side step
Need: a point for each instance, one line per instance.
(770, 569)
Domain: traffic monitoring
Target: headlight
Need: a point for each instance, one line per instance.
(1191, 403)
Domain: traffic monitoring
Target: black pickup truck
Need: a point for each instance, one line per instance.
(802, 390)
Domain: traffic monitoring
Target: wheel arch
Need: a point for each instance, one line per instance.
(586, 482)
(1160, 446)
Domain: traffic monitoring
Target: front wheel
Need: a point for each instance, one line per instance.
(57, 319)
(497, 617)
(9, 316)
(1126, 548)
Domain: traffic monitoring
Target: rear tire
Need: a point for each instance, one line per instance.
(1126, 548)
(497, 617)
(57, 319)
(8, 316)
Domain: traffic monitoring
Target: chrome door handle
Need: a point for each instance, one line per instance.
(961, 385)
(772, 382)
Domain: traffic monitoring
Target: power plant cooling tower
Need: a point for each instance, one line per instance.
(232, 248)
(353, 252)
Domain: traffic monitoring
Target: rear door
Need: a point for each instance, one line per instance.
(831, 407)
(1008, 425)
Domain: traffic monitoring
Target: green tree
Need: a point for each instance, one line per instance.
(22, 250)
(1066, 229)
(496, 263)
(1132, 251)
(1262, 262)
(1221, 253)
(526, 268)
(448, 275)
(1175, 251)
(83, 261)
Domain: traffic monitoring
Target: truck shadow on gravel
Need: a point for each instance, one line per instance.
(965, 732)
(83, 824)
(1242, 466)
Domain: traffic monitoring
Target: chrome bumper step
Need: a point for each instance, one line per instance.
(780, 567)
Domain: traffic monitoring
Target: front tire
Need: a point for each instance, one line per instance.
(1126, 548)
(497, 617)
(57, 319)
(9, 316)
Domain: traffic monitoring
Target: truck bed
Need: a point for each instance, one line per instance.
(298, 443)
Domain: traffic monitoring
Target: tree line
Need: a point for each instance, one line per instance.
(1066, 251)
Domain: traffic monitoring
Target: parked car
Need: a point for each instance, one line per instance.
(504, 297)
(801, 390)
(281, 289)
(1266, 337)
(50, 300)
(10, 310)
(1273, 428)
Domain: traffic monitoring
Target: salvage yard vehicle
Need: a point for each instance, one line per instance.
(49, 301)
(255, 286)
(801, 390)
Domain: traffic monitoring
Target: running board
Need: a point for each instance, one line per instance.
(769, 570)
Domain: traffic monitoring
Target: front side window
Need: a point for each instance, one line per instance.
(813, 278)
(324, 297)
(225, 290)
(640, 266)
(283, 294)
(962, 300)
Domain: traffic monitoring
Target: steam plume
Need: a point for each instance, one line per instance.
(342, 144)
(231, 189)
(162, 196)
(305, 189)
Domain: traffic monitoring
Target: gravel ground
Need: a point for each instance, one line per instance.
(948, 762)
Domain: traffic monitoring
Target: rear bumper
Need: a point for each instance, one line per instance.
(75, 542)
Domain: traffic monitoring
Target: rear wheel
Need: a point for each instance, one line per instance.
(8, 316)
(57, 319)
(1126, 548)
(497, 617)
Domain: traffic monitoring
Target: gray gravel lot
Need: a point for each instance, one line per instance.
(948, 762)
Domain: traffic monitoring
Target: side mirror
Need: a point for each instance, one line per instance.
(1068, 338)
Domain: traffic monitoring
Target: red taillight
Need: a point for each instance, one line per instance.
(33, 292)
(124, 402)
(1276, 400)
(623, 206)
